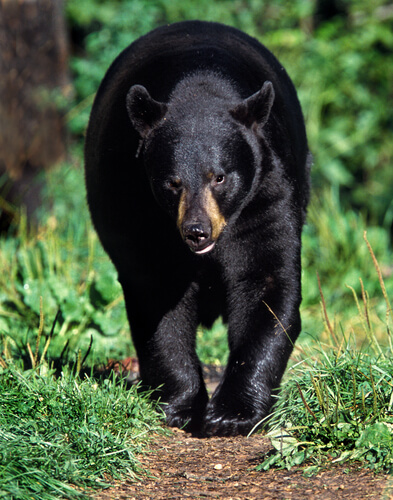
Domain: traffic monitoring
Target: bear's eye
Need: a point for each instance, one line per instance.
(174, 184)
(219, 179)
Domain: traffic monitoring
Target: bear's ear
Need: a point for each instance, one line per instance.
(143, 110)
(255, 110)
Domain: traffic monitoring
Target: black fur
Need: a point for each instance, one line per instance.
(197, 172)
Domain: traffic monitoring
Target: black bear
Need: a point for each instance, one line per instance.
(197, 172)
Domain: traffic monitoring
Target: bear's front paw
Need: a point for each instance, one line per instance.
(185, 416)
(227, 423)
(183, 419)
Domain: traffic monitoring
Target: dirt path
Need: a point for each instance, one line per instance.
(185, 467)
(182, 467)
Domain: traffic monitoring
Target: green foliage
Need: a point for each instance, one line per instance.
(333, 246)
(110, 27)
(339, 409)
(55, 433)
(65, 267)
(336, 404)
(212, 344)
(343, 73)
(342, 68)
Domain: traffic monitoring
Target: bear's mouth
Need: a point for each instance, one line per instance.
(198, 239)
(207, 249)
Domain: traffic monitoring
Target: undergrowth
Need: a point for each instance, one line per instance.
(63, 433)
(63, 265)
(336, 403)
(62, 436)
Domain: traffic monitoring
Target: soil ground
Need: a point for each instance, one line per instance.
(182, 466)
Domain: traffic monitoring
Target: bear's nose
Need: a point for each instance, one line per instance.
(197, 236)
(194, 234)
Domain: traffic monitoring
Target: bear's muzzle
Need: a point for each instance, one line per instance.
(198, 238)
(200, 221)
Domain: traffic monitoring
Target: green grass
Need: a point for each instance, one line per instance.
(335, 409)
(334, 248)
(61, 436)
(336, 403)
(65, 267)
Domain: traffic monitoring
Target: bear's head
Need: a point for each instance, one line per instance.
(201, 151)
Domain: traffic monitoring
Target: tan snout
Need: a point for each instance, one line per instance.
(200, 220)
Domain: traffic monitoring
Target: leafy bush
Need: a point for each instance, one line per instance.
(343, 73)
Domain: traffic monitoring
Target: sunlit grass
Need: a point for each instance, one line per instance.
(336, 402)
(61, 436)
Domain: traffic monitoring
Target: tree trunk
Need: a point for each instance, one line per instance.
(34, 84)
